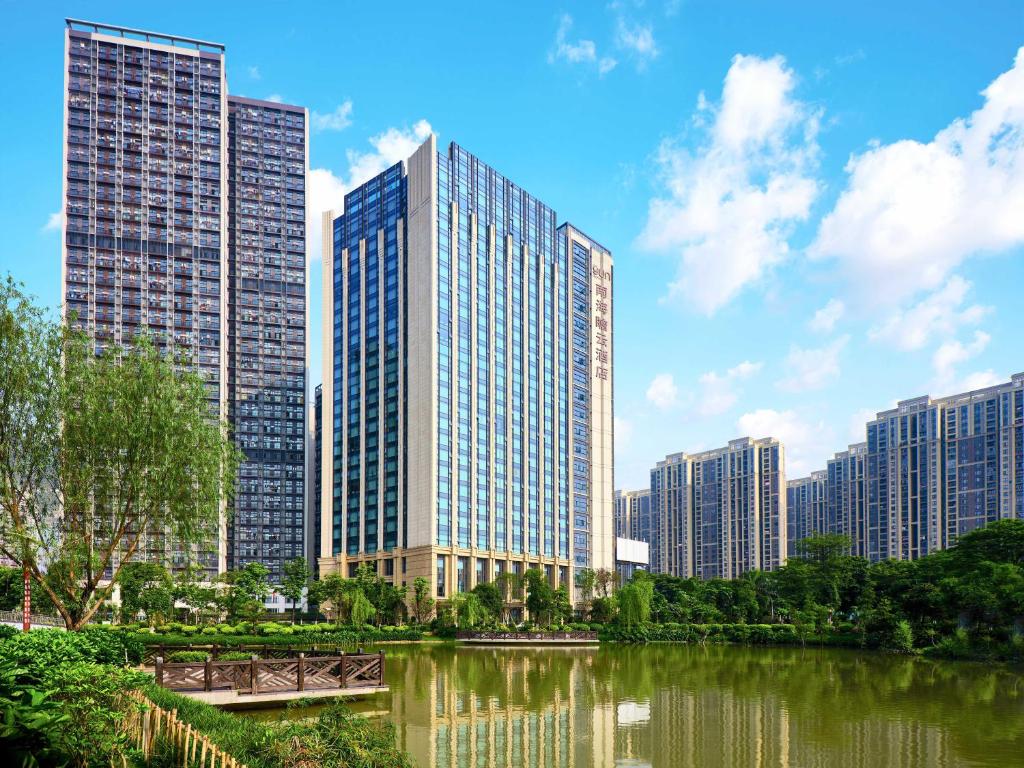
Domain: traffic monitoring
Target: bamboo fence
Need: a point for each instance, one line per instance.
(148, 723)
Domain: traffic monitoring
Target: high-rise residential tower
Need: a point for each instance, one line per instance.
(468, 374)
(672, 516)
(184, 214)
(633, 514)
(846, 500)
(805, 509)
(739, 512)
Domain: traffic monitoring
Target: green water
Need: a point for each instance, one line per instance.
(689, 706)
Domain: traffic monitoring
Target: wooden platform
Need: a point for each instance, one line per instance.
(228, 699)
(271, 682)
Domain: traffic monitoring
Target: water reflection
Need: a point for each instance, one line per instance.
(681, 706)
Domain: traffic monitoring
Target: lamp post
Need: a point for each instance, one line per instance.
(26, 612)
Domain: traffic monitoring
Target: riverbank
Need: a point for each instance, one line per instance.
(66, 698)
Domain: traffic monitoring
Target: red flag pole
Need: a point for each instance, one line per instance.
(26, 614)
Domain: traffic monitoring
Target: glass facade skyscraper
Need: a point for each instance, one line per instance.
(468, 371)
(184, 215)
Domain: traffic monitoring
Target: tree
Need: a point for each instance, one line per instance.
(422, 602)
(586, 580)
(561, 605)
(635, 602)
(362, 609)
(99, 455)
(145, 587)
(467, 609)
(296, 576)
(539, 596)
(334, 591)
(192, 589)
(490, 599)
(247, 588)
(605, 581)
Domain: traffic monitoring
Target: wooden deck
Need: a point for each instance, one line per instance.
(268, 682)
(236, 700)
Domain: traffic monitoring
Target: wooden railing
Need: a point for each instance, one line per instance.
(495, 635)
(264, 651)
(255, 676)
(158, 732)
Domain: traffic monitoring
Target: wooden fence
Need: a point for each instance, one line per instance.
(264, 651)
(255, 676)
(157, 731)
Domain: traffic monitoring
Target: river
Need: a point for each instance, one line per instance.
(674, 705)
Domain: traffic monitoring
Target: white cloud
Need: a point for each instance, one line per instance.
(857, 432)
(637, 40)
(254, 73)
(809, 369)
(663, 392)
(338, 120)
(951, 354)
(718, 391)
(580, 51)
(277, 97)
(807, 444)
(733, 203)
(623, 433)
(980, 380)
(939, 314)
(325, 192)
(327, 189)
(912, 212)
(389, 147)
(825, 319)
(54, 222)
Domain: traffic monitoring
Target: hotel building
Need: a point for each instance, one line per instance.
(184, 217)
(468, 377)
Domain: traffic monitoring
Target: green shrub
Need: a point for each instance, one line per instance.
(209, 631)
(7, 631)
(60, 706)
(235, 656)
(336, 738)
(52, 647)
(181, 656)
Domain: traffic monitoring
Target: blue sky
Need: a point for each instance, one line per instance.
(814, 210)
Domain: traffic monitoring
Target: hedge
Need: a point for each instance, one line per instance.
(349, 636)
(754, 634)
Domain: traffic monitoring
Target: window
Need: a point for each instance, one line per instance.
(440, 575)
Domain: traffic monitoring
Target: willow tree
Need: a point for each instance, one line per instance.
(102, 457)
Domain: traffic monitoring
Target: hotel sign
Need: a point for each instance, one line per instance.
(602, 320)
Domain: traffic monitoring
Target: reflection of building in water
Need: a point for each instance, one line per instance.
(496, 708)
(502, 708)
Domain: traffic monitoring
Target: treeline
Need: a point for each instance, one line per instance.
(965, 602)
